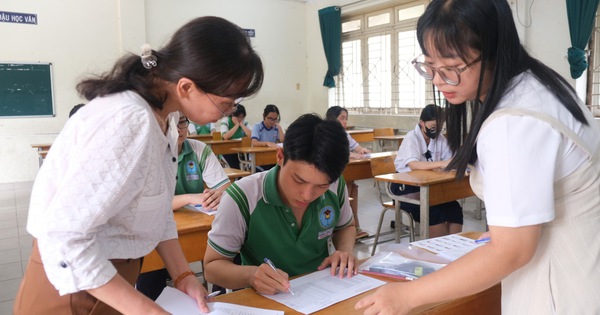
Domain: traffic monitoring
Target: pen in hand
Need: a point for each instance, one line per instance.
(270, 263)
(483, 240)
(212, 295)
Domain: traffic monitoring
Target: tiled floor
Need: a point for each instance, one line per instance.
(15, 242)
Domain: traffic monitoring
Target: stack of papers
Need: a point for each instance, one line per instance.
(451, 246)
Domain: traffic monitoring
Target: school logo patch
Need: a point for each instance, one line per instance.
(326, 217)
(191, 167)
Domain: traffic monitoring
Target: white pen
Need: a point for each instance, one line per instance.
(212, 295)
(270, 263)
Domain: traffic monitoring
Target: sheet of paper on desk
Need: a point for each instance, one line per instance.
(319, 289)
(178, 303)
(450, 246)
(199, 208)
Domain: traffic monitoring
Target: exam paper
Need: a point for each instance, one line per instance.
(319, 289)
(178, 303)
(450, 246)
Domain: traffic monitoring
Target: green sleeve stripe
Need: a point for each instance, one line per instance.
(221, 250)
(337, 228)
(205, 153)
(241, 200)
(225, 181)
(341, 190)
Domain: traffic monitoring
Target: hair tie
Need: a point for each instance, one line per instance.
(148, 59)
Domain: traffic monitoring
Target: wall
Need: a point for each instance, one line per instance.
(85, 36)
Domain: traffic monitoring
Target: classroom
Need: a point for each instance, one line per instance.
(80, 38)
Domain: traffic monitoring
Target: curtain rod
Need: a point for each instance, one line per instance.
(352, 3)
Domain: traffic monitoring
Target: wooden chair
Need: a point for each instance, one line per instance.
(380, 166)
(383, 145)
(217, 135)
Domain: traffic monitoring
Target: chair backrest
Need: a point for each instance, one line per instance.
(383, 132)
(379, 166)
(217, 135)
(382, 165)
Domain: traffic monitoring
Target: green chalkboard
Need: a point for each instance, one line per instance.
(26, 89)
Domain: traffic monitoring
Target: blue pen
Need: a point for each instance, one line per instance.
(270, 263)
(483, 240)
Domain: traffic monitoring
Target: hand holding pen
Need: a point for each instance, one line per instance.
(272, 266)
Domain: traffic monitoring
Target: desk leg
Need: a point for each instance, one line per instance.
(252, 163)
(398, 218)
(424, 228)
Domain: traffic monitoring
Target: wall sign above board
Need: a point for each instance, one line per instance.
(15, 17)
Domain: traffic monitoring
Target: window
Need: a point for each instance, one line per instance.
(377, 76)
(593, 90)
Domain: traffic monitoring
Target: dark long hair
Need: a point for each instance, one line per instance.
(453, 27)
(212, 52)
(334, 111)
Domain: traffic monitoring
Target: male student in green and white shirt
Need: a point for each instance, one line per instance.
(287, 214)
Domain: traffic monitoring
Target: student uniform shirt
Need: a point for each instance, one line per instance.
(253, 220)
(196, 165)
(227, 124)
(261, 133)
(352, 144)
(196, 129)
(414, 148)
(104, 191)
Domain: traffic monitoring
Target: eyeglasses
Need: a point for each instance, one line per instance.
(450, 75)
(273, 119)
(231, 107)
(182, 124)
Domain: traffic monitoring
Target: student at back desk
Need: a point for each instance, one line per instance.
(235, 127)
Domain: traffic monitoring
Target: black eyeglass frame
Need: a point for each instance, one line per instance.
(419, 65)
(185, 123)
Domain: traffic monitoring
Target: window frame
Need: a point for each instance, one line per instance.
(391, 29)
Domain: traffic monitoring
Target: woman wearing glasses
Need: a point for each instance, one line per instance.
(102, 200)
(197, 168)
(536, 154)
(268, 132)
(425, 148)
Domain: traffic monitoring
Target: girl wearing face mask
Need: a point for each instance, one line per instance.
(425, 148)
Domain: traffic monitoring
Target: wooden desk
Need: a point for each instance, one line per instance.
(396, 140)
(361, 168)
(42, 150)
(250, 157)
(234, 173)
(362, 135)
(485, 302)
(192, 227)
(223, 146)
(202, 138)
(436, 187)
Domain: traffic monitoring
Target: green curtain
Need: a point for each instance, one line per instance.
(581, 14)
(330, 19)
